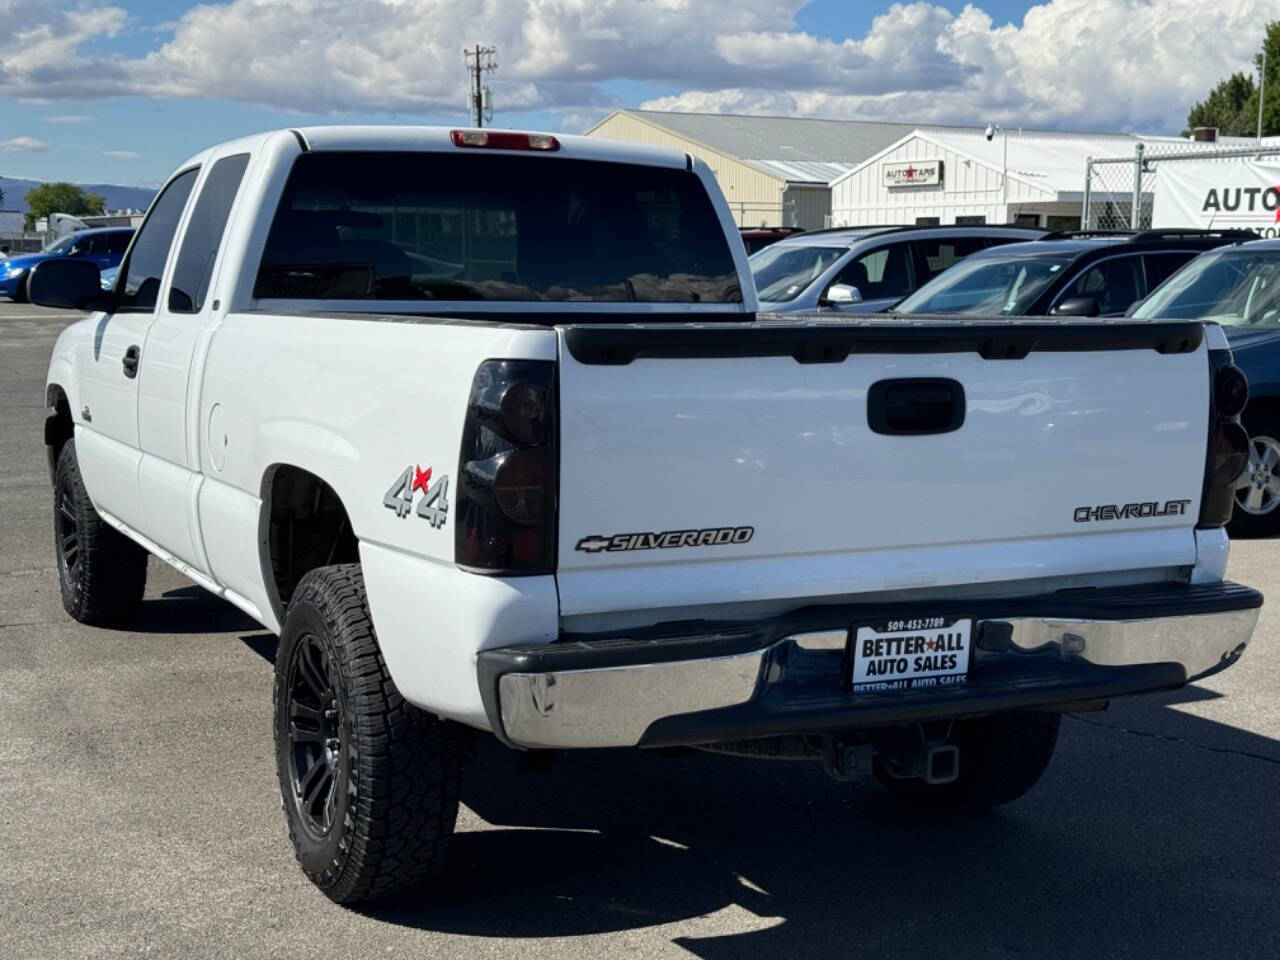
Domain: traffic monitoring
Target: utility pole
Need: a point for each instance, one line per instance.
(1262, 90)
(479, 62)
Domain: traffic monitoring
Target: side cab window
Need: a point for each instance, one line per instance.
(141, 274)
(193, 271)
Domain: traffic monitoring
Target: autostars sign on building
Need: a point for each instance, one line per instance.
(1230, 194)
(912, 173)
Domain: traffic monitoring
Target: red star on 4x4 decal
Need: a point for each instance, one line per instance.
(420, 479)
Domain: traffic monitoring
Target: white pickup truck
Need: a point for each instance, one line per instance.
(484, 425)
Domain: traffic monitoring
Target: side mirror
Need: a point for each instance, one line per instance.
(1077, 307)
(839, 293)
(68, 284)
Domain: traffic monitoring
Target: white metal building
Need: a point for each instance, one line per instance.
(936, 176)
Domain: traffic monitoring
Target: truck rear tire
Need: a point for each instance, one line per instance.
(102, 572)
(369, 782)
(1001, 758)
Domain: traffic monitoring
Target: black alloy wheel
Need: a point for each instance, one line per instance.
(67, 527)
(318, 755)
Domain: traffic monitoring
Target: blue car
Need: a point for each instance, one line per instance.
(1239, 288)
(104, 246)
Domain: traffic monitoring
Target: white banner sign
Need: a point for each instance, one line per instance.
(912, 173)
(1223, 194)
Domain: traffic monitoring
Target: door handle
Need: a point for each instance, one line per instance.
(916, 406)
(130, 361)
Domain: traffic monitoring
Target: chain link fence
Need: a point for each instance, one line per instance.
(1119, 191)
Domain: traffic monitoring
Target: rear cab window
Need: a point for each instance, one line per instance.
(427, 226)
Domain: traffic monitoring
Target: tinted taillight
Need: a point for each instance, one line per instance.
(1228, 451)
(507, 471)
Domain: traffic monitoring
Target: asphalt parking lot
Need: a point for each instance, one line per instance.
(139, 814)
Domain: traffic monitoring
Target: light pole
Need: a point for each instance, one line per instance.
(1262, 90)
(991, 131)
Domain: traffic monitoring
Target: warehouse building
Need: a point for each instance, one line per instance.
(790, 171)
(774, 171)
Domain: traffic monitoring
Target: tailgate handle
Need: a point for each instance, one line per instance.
(916, 406)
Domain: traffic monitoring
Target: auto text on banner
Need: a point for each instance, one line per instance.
(1216, 194)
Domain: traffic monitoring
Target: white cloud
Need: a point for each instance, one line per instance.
(1085, 64)
(121, 154)
(1135, 64)
(22, 145)
(68, 118)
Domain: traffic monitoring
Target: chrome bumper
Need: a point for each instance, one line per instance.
(615, 705)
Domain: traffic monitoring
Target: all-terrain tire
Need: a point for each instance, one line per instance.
(102, 572)
(1001, 757)
(393, 770)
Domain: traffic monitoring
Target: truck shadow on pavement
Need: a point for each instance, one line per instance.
(1147, 837)
(190, 610)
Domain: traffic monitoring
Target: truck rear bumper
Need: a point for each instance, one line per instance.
(705, 683)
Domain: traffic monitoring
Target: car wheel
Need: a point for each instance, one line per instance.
(369, 782)
(20, 290)
(1257, 508)
(102, 572)
(1001, 758)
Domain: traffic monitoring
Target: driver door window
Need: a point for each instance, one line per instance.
(1115, 283)
(144, 270)
(882, 274)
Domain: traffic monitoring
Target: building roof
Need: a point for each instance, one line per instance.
(796, 149)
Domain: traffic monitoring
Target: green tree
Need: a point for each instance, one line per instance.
(1232, 106)
(1271, 106)
(61, 198)
(1226, 107)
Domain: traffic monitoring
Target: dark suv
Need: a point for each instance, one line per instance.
(1082, 274)
(865, 269)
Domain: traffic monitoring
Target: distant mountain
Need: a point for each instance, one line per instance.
(117, 197)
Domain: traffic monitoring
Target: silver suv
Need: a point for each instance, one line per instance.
(865, 269)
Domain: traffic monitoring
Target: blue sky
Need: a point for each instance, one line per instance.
(135, 86)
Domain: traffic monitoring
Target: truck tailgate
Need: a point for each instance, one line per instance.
(718, 466)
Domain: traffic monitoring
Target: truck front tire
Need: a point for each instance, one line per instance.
(101, 571)
(1001, 757)
(369, 782)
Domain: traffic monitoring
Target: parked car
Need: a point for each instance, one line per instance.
(104, 247)
(757, 238)
(532, 469)
(864, 269)
(1239, 288)
(1078, 274)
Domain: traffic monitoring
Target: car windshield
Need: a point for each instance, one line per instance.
(988, 285)
(1236, 288)
(783, 271)
(61, 246)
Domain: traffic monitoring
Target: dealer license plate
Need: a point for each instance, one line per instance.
(909, 654)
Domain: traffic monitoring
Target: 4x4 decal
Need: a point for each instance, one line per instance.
(434, 506)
